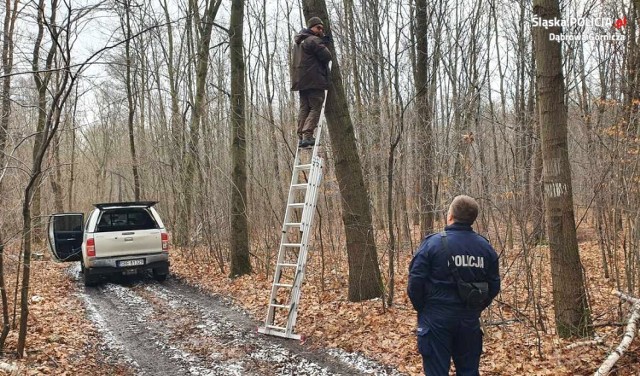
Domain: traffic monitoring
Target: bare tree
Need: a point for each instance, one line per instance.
(125, 25)
(240, 263)
(569, 296)
(204, 28)
(425, 90)
(48, 123)
(364, 272)
(10, 16)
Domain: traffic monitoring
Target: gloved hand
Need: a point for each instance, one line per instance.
(327, 39)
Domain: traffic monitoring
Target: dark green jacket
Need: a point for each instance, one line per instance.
(309, 63)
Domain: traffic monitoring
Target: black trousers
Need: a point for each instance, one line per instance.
(446, 337)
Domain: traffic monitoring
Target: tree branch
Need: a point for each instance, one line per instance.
(629, 333)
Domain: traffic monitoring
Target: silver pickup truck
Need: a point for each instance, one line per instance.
(117, 238)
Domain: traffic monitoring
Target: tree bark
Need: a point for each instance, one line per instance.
(61, 45)
(240, 262)
(41, 80)
(11, 14)
(569, 296)
(5, 306)
(56, 177)
(131, 101)
(364, 272)
(202, 64)
(424, 107)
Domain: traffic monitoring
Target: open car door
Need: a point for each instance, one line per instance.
(66, 236)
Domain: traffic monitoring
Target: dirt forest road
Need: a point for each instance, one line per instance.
(171, 328)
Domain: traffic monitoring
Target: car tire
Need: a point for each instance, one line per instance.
(160, 274)
(89, 279)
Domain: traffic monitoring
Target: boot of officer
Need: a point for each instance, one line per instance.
(448, 328)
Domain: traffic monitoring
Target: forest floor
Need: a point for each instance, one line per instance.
(138, 326)
(66, 337)
(519, 335)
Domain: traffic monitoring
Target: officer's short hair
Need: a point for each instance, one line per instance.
(464, 209)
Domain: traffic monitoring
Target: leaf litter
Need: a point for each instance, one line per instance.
(68, 332)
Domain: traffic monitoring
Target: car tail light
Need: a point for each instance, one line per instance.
(165, 241)
(91, 247)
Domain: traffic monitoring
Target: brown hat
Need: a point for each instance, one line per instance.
(313, 21)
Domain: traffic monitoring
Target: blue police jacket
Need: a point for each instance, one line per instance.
(432, 287)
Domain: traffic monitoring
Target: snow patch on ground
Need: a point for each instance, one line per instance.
(290, 364)
(362, 363)
(74, 271)
(173, 303)
(111, 343)
(230, 369)
(191, 360)
(233, 348)
(130, 298)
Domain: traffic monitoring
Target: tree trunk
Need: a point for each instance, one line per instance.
(131, 102)
(5, 306)
(11, 14)
(42, 83)
(202, 64)
(240, 262)
(425, 130)
(569, 296)
(72, 164)
(364, 272)
(7, 66)
(56, 187)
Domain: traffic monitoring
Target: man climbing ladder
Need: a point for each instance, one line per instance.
(288, 275)
(310, 76)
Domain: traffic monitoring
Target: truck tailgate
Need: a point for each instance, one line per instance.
(125, 243)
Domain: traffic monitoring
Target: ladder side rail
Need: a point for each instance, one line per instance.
(312, 195)
(302, 260)
(308, 211)
(305, 212)
(283, 239)
(314, 188)
(318, 137)
(305, 229)
(276, 279)
(292, 192)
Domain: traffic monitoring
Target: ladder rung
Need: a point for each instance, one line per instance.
(275, 327)
(288, 265)
(291, 224)
(283, 285)
(297, 205)
(299, 186)
(303, 166)
(292, 244)
(280, 306)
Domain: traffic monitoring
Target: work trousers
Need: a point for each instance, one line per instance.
(446, 337)
(311, 102)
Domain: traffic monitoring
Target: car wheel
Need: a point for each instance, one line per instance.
(88, 278)
(160, 274)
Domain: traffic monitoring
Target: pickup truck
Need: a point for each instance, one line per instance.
(117, 238)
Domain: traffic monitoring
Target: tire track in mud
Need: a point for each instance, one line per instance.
(176, 329)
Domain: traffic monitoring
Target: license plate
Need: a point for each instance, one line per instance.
(127, 263)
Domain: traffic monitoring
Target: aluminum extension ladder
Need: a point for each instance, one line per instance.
(292, 255)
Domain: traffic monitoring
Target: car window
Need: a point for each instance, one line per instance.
(126, 219)
(67, 223)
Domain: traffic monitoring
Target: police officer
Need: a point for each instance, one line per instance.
(447, 326)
